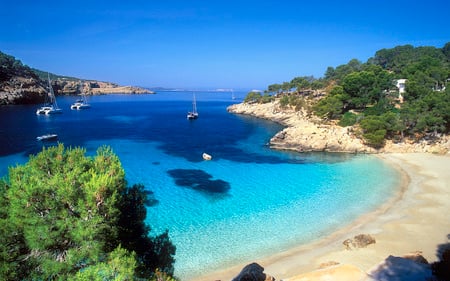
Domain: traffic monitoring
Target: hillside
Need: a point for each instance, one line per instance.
(20, 84)
(398, 100)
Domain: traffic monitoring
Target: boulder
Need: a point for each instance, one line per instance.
(401, 269)
(253, 272)
(359, 241)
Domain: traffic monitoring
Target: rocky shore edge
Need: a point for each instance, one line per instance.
(30, 90)
(306, 133)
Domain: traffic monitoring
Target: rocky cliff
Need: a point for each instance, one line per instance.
(92, 87)
(304, 133)
(20, 84)
(26, 89)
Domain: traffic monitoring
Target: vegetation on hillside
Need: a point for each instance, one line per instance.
(10, 67)
(65, 216)
(366, 94)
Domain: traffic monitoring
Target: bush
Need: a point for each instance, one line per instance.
(348, 119)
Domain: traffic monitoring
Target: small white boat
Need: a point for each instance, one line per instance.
(193, 114)
(206, 156)
(47, 137)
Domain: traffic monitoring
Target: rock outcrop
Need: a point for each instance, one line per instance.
(253, 272)
(359, 241)
(22, 88)
(402, 269)
(29, 89)
(307, 133)
(92, 87)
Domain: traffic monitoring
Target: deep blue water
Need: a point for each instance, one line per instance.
(248, 202)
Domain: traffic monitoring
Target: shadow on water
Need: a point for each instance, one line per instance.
(199, 180)
(150, 200)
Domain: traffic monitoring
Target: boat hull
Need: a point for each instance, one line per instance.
(48, 137)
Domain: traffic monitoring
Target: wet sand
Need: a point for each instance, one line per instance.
(416, 219)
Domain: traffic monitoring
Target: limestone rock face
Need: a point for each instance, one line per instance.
(92, 87)
(22, 88)
(253, 272)
(306, 133)
(29, 89)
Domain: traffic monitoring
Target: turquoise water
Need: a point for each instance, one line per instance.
(245, 204)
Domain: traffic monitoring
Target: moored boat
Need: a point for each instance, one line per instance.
(193, 114)
(47, 137)
(206, 156)
(52, 107)
(81, 103)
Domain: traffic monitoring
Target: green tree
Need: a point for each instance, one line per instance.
(332, 105)
(118, 266)
(152, 253)
(374, 130)
(274, 88)
(348, 119)
(284, 101)
(253, 97)
(359, 87)
(61, 215)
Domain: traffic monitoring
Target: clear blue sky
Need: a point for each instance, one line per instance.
(212, 44)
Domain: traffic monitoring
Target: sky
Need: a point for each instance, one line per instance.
(212, 44)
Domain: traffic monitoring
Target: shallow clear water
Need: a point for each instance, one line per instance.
(247, 202)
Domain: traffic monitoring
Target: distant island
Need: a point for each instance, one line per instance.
(20, 84)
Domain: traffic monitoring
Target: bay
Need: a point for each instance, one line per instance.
(246, 203)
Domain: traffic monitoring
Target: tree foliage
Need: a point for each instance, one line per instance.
(9, 67)
(366, 93)
(63, 217)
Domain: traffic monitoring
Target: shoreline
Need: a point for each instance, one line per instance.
(414, 220)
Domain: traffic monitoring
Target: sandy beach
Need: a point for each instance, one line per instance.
(415, 220)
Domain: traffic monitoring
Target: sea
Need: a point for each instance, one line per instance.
(248, 202)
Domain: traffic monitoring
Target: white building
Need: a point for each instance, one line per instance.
(401, 85)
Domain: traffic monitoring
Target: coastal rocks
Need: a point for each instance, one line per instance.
(91, 87)
(22, 89)
(32, 90)
(359, 241)
(305, 133)
(402, 269)
(120, 90)
(253, 272)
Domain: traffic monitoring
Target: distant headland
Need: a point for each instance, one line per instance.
(20, 84)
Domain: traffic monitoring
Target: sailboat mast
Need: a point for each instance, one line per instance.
(194, 105)
(52, 94)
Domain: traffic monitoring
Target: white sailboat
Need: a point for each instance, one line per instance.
(52, 107)
(193, 114)
(81, 103)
